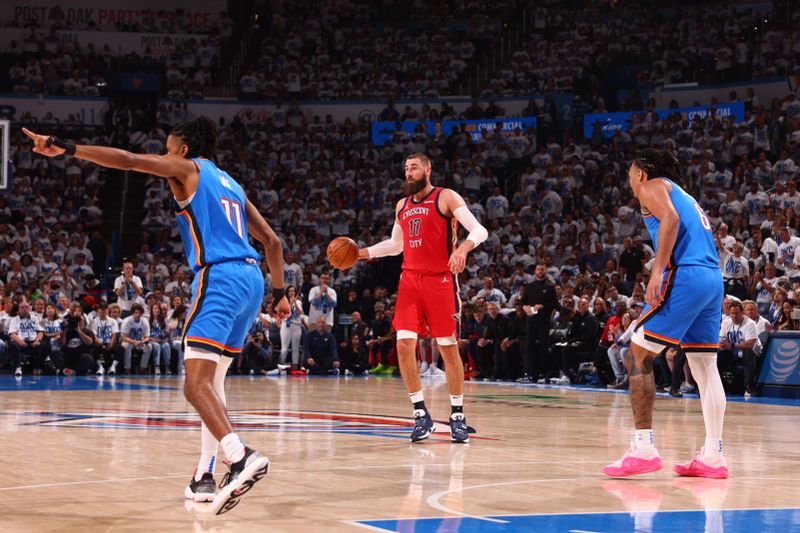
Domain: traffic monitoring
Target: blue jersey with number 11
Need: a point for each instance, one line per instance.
(694, 245)
(213, 223)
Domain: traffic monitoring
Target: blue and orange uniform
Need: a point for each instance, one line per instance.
(228, 286)
(690, 308)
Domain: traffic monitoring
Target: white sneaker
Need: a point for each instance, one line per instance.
(169, 372)
(348, 372)
(423, 367)
(100, 371)
(274, 372)
(113, 370)
(18, 372)
(436, 371)
(241, 478)
(158, 371)
(251, 373)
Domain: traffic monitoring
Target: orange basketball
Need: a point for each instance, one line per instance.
(342, 252)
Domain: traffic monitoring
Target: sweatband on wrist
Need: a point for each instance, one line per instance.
(68, 146)
(277, 294)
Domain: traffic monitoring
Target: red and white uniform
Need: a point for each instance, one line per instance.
(428, 291)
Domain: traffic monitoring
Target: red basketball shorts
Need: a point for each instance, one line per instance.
(428, 299)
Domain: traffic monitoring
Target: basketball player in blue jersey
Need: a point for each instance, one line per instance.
(684, 308)
(214, 217)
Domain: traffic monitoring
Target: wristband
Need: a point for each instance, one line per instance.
(277, 294)
(68, 146)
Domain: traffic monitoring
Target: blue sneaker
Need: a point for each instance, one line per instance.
(423, 426)
(459, 431)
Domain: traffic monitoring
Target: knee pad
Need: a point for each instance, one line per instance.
(406, 334)
(446, 341)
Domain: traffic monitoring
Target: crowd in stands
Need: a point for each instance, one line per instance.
(354, 49)
(50, 65)
(576, 49)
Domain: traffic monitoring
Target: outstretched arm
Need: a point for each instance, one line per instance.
(165, 166)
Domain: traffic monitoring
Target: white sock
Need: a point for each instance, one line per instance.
(416, 397)
(643, 440)
(712, 398)
(457, 401)
(208, 444)
(208, 453)
(100, 365)
(712, 448)
(233, 447)
(114, 364)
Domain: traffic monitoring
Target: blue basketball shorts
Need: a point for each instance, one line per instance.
(689, 313)
(226, 299)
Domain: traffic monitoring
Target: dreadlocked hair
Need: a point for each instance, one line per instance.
(200, 135)
(658, 164)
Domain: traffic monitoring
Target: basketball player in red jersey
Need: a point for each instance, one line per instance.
(425, 229)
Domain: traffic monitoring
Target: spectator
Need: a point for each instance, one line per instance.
(292, 329)
(380, 344)
(159, 340)
(107, 349)
(581, 342)
(176, 323)
(490, 363)
(257, 355)
(490, 294)
(355, 358)
(322, 301)
(78, 340)
(135, 331)
(320, 350)
(617, 352)
(25, 346)
(53, 330)
(738, 336)
(754, 360)
(128, 289)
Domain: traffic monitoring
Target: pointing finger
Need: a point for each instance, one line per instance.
(29, 133)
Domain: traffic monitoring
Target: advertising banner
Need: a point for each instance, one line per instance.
(382, 131)
(105, 14)
(610, 122)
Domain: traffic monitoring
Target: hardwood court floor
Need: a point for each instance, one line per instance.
(90, 455)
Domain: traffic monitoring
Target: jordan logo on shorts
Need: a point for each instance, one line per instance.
(444, 279)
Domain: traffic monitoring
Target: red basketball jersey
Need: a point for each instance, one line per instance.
(428, 235)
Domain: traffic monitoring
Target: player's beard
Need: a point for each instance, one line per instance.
(413, 187)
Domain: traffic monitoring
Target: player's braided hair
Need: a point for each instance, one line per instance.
(658, 164)
(200, 135)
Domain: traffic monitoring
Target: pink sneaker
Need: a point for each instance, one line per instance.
(634, 462)
(700, 466)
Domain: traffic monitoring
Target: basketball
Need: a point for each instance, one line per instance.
(342, 252)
